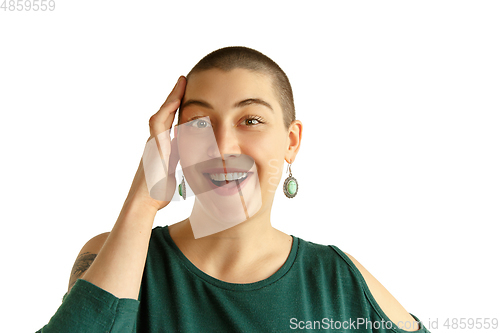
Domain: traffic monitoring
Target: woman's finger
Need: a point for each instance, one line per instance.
(162, 120)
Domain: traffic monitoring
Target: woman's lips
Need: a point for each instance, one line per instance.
(220, 178)
(231, 187)
(224, 170)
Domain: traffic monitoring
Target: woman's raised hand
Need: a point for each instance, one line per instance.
(121, 254)
(159, 146)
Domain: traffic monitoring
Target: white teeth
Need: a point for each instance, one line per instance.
(227, 176)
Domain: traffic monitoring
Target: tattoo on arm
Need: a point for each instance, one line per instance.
(82, 263)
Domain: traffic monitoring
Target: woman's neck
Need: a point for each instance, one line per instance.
(247, 252)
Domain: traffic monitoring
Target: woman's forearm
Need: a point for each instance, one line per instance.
(119, 266)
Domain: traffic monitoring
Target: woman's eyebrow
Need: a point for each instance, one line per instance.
(197, 102)
(240, 104)
(253, 101)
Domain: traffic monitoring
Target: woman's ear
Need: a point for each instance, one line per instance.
(293, 141)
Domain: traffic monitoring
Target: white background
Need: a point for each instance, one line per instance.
(399, 160)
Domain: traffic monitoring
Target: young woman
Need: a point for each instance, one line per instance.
(224, 268)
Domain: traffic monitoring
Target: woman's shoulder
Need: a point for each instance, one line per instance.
(321, 252)
(335, 262)
(384, 299)
(327, 260)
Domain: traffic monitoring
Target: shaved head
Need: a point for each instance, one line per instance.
(229, 58)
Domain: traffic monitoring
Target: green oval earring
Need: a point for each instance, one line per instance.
(290, 186)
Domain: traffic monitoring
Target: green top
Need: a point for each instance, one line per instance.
(317, 289)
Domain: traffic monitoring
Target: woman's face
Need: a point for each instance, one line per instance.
(232, 127)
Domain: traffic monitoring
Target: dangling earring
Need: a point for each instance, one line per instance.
(182, 188)
(290, 186)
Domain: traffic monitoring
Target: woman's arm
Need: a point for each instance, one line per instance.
(86, 257)
(107, 301)
(119, 265)
(107, 278)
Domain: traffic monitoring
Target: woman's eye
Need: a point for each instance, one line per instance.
(253, 121)
(199, 123)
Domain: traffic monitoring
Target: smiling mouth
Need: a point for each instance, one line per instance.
(221, 179)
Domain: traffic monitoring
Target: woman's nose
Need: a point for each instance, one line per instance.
(226, 143)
